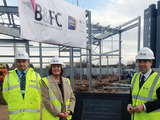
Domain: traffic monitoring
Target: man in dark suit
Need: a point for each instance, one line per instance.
(145, 89)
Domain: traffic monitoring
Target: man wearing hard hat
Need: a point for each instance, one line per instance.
(21, 90)
(145, 89)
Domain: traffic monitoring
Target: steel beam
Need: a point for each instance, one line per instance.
(9, 9)
(9, 31)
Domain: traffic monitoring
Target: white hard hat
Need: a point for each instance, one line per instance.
(56, 60)
(22, 55)
(145, 53)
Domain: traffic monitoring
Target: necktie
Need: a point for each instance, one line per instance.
(23, 80)
(142, 81)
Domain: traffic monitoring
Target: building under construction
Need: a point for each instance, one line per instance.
(91, 104)
(152, 31)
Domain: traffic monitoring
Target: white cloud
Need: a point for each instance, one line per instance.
(117, 12)
(120, 11)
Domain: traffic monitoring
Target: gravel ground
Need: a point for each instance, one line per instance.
(4, 112)
(97, 86)
(3, 108)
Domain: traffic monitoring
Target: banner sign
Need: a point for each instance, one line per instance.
(52, 21)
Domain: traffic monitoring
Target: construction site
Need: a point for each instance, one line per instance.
(93, 79)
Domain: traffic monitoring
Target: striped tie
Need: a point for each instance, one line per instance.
(142, 81)
(23, 80)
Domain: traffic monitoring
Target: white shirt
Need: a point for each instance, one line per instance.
(146, 75)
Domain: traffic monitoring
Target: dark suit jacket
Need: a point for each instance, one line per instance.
(150, 106)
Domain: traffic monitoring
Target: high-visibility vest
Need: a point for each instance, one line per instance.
(146, 94)
(45, 114)
(19, 108)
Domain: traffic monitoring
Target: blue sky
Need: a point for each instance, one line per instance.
(107, 11)
(114, 13)
(89, 4)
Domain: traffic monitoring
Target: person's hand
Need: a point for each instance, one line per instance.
(62, 115)
(130, 109)
(67, 113)
(139, 108)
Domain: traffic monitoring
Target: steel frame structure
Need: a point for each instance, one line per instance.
(96, 34)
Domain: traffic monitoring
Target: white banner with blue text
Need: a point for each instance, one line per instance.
(52, 21)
